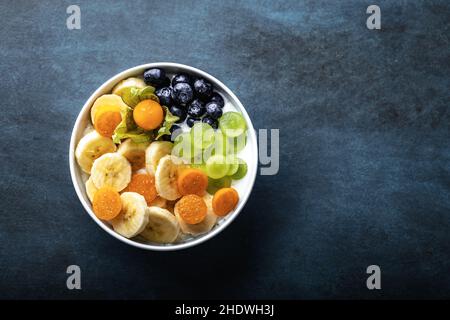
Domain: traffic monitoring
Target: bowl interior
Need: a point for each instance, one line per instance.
(249, 154)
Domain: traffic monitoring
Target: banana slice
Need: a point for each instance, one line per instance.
(111, 169)
(162, 226)
(107, 102)
(158, 202)
(155, 152)
(89, 128)
(128, 83)
(91, 189)
(134, 152)
(91, 147)
(203, 227)
(166, 177)
(134, 215)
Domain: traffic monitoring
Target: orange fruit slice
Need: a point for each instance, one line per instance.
(144, 184)
(106, 122)
(192, 181)
(107, 102)
(107, 203)
(191, 208)
(224, 201)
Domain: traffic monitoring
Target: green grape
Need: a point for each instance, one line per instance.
(239, 142)
(216, 166)
(184, 148)
(215, 184)
(202, 135)
(232, 124)
(200, 166)
(215, 148)
(233, 165)
(224, 145)
(220, 144)
(197, 158)
(241, 171)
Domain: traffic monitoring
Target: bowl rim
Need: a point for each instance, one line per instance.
(129, 73)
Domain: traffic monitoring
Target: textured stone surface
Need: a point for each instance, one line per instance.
(365, 157)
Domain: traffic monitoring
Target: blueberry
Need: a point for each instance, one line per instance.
(203, 89)
(213, 123)
(190, 121)
(178, 112)
(164, 83)
(217, 98)
(165, 96)
(182, 93)
(181, 78)
(196, 109)
(213, 110)
(156, 77)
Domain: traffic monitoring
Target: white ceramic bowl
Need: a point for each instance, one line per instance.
(249, 154)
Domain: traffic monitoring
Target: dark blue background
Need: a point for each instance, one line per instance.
(364, 157)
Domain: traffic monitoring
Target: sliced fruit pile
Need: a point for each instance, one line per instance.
(141, 182)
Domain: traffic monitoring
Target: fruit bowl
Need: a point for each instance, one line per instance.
(249, 154)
